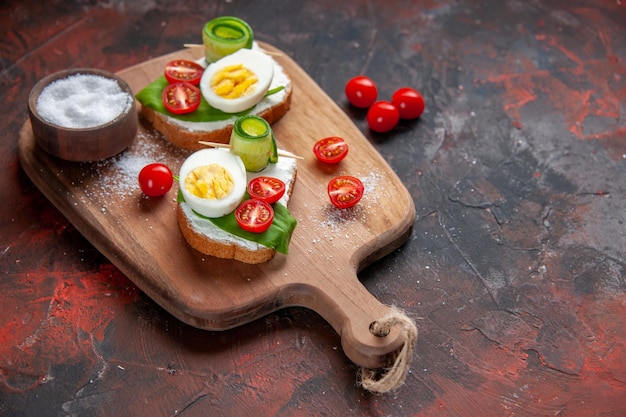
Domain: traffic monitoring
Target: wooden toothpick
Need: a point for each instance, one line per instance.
(197, 45)
(286, 154)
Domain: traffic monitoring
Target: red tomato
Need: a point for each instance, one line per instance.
(361, 91)
(181, 98)
(155, 179)
(254, 215)
(383, 116)
(345, 191)
(409, 102)
(183, 70)
(267, 189)
(331, 150)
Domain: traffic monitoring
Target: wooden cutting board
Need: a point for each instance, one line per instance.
(329, 246)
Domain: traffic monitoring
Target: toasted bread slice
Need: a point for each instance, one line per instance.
(186, 135)
(205, 237)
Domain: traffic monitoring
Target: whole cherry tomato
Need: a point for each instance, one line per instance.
(383, 116)
(155, 179)
(330, 150)
(361, 91)
(409, 102)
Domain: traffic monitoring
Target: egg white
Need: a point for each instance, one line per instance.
(231, 163)
(257, 62)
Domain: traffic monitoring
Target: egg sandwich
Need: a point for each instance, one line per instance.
(248, 81)
(212, 183)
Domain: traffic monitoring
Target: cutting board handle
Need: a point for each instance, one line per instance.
(354, 314)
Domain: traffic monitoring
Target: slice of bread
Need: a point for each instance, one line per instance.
(205, 237)
(186, 135)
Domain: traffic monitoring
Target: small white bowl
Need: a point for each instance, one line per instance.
(83, 144)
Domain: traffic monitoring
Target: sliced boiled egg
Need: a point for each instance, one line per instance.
(213, 182)
(238, 81)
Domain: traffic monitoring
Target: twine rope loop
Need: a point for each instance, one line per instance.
(381, 381)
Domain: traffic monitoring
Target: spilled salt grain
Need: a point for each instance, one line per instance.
(369, 183)
(118, 176)
(82, 101)
(335, 217)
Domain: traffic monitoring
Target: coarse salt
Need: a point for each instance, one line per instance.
(118, 176)
(82, 100)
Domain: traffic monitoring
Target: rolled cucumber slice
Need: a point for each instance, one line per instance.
(224, 35)
(253, 140)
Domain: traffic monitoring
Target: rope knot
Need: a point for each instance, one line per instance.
(390, 379)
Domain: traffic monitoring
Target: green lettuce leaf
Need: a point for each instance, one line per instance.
(150, 97)
(277, 237)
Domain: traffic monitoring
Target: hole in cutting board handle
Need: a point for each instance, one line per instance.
(379, 330)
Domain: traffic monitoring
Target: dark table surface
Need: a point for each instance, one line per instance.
(515, 268)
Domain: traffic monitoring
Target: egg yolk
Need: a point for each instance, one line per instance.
(234, 81)
(212, 182)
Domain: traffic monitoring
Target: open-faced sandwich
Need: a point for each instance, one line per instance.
(232, 202)
(201, 100)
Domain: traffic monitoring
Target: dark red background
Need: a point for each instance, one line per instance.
(515, 268)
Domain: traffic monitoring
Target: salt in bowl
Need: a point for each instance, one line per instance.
(83, 114)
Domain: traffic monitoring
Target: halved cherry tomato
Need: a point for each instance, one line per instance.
(361, 91)
(383, 116)
(268, 189)
(183, 70)
(155, 179)
(345, 191)
(331, 150)
(409, 102)
(254, 215)
(181, 98)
